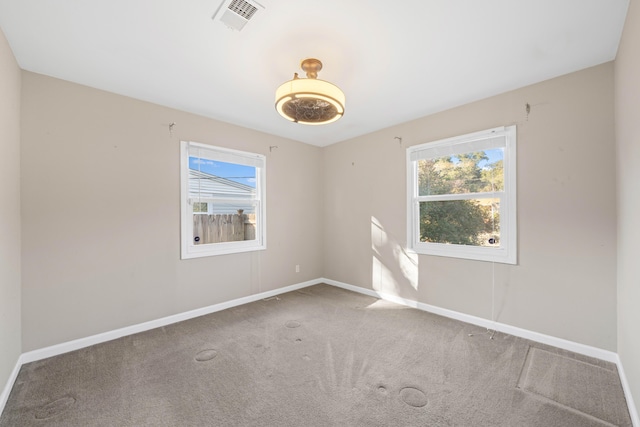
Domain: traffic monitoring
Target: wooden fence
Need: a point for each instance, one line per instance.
(223, 228)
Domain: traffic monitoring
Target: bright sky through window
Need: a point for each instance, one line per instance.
(493, 155)
(234, 172)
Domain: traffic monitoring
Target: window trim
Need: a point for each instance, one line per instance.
(187, 249)
(507, 252)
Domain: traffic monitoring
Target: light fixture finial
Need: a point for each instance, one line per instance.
(311, 66)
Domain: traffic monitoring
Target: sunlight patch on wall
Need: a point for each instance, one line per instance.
(392, 266)
(382, 279)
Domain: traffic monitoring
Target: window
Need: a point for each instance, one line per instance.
(462, 196)
(200, 207)
(222, 200)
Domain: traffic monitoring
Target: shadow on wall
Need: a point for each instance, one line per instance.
(394, 270)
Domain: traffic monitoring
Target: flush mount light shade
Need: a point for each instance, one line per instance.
(310, 101)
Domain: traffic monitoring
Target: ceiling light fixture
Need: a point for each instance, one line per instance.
(310, 101)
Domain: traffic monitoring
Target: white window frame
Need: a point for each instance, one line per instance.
(507, 251)
(188, 249)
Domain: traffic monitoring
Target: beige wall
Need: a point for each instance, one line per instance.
(565, 282)
(100, 213)
(10, 329)
(100, 206)
(627, 108)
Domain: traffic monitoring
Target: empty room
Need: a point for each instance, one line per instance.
(286, 213)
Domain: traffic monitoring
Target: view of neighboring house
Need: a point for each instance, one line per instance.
(229, 195)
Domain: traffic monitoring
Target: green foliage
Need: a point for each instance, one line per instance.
(459, 222)
(200, 207)
(493, 176)
(463, 222)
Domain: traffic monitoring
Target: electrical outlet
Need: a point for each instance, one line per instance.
(297, 268)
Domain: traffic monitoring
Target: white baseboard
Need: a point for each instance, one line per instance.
(68, 346)
(55, 350)
(575, 347)
(633, 411)
(10, 381)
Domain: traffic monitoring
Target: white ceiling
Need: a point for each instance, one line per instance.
(395, 61)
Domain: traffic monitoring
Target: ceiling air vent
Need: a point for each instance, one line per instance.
(236, 13)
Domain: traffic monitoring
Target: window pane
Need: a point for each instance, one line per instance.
(223, 198)
(227, 223)
(242, 174)
(473, 172)
(218, 221)
(473, 222)
(200, 207)
(210, 178)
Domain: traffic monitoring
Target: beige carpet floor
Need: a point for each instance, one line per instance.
(320, 356)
